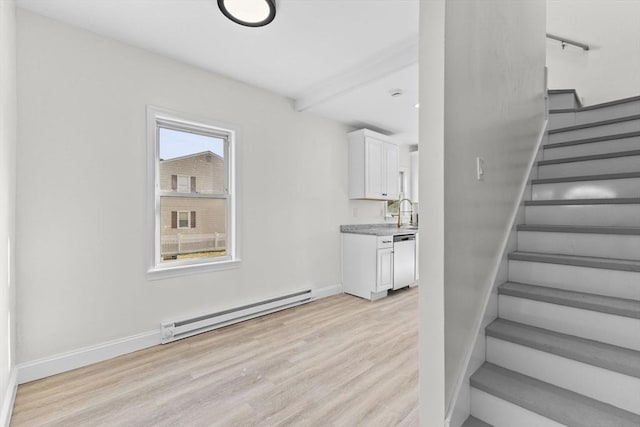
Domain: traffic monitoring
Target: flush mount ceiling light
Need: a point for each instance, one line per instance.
(250, 13)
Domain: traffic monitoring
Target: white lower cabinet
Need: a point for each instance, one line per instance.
(384, 278)
(367, 265)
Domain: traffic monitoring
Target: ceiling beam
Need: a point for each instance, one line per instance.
(395, 58)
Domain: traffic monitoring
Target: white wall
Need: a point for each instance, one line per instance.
(494, 57)
(7, 204)
(366, 211)
(432, 196)
(611, 69)
(81, 198)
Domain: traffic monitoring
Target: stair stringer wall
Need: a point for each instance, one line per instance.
(460, 406)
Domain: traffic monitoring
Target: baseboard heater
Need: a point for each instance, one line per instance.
(176, 330)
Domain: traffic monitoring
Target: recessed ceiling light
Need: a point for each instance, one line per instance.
(250, 13)
(417, 105)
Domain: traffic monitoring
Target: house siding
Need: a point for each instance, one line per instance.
(207, 167)
(209, 231)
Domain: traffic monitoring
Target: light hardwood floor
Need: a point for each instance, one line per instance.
(339, 361)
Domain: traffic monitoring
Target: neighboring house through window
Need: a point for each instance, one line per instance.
(192, 170)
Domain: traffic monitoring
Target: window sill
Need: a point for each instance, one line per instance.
(159, 273)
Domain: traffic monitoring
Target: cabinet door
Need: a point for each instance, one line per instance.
(391, 171)
(374, 182)
(385, 269)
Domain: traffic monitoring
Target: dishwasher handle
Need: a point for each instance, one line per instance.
(404, 237)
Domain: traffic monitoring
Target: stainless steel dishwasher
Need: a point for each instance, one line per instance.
(404, 260)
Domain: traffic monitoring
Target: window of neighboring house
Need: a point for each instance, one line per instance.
(183, 219)
(193, 207)
(184, 184)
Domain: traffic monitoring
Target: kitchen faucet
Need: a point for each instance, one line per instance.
(400, 211)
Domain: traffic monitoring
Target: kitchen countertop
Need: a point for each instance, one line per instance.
(385, 229)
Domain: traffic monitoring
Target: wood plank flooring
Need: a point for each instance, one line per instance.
(339, 361)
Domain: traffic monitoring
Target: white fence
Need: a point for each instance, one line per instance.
(193, 243)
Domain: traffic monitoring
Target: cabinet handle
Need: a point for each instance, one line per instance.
(384, 194)
(386, 241)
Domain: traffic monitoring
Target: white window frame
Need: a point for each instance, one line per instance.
(157, 118)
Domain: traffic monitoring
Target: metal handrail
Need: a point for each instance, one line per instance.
(565, 41)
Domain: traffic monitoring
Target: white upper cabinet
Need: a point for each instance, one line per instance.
(374, 153)
(392, 170)
(373, 166)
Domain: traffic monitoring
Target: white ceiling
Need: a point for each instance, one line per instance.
(338, 58)
(371, 106)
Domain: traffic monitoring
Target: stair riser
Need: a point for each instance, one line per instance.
(469, 422)
(590, 167)
(558, 120)
(604, 189)
(500, 413)
(602, 147)
(607, 328)
(561, 120)
(595, 131)
(606, 215)
(559, 101)
(612, 283)
(607, 386)
(583, 244)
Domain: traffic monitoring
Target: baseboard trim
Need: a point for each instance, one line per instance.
(456, 414)
(326, 291)
(57, 364)
(9, 399)
(42, 368)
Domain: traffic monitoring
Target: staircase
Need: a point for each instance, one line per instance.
(565, 349)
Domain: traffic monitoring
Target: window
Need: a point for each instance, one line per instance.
(392, 205)
(183, 219)
(184, 184)
(192, 194)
